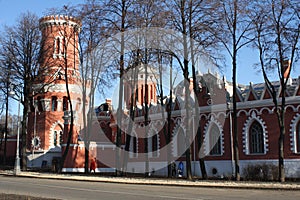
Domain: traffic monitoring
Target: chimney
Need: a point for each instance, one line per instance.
(286, 68)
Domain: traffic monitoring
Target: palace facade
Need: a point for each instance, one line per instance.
(149, 143)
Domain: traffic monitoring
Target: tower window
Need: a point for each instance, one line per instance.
(54, 103)
(59, 46)
(40, 106)
(57, 138)
(298, 137)
(65, 104)
(57, 49)
(60, 138)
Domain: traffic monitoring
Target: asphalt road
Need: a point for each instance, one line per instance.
(61, 189)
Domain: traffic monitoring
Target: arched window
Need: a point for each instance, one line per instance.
(57, 138)
(62, 46)
(60, 138)
(256, 138)
(65, 103)
(57, 46)
(215, 140)
(298, 136)
(181, 145)
(54, 103)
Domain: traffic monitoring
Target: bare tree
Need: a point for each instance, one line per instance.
(21, 47)
(5, 89)
(201, 41)
(118, 19)
(91, 40)
(180, 22)
(277, 25)
(233, 31)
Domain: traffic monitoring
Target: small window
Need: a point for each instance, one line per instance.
(54, 103)
(256, 138)
(154, 145)
(65, 104)
(133, 146)
(40, 106)
(60, 138)
(57, 46)
(55, 138)
(298, 137)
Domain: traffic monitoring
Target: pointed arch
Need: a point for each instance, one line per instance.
(213, 138)
(255, 135)
(295, 134)
(56, 135)
(178, 140)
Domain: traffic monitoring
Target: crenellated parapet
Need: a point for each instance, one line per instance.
(57, 20)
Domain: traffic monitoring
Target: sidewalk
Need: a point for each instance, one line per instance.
(162, 181)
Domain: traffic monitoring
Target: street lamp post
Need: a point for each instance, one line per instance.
(17, 168)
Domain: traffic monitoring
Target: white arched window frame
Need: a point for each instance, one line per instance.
(59, 46)
(256, 138)
(56, 135)
(213, 138)
(295, 134)
(246, 131)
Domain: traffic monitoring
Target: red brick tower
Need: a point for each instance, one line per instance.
(142, 92)
(58, 66)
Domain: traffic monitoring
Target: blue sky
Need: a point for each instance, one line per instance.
(11, 9)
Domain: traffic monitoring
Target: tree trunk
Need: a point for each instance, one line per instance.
(234, 67)
(5, 128)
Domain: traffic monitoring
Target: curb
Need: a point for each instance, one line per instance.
(163, 182)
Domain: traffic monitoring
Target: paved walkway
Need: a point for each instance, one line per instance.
(161, 181)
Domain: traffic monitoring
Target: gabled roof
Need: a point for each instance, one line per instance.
(251, 94)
